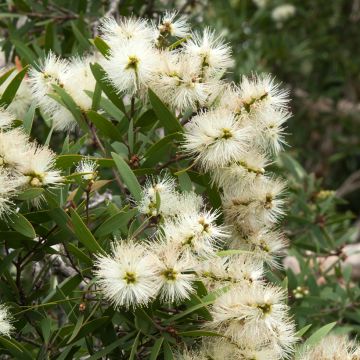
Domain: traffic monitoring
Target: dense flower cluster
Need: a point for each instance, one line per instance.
(5, 321)
(23, 164)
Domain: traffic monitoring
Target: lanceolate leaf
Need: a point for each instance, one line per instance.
(12, 88)
(20, 224)
(167, 118)
(127, 176)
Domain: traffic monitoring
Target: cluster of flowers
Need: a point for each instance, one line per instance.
(23, 164)
(233, 136)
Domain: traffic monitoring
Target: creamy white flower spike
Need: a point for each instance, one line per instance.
(9, 187)
(52, 71)
(87, 168)
(159, 197)
(127, 277)
(6, 119)
(127, 30)
(173, 270)
(332, 347)
(266, 244)
(216, 139)
(253, 94)
(79, 79)
(237, 269)
(179, 83)
(22, 100)
(130, 67)
(251, 315)
(255, 207)
(6, 326)
(13, 150)
(39, 168)
(173, 25)
(248, 168)
(210, 51)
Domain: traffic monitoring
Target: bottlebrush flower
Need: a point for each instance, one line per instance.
(6, 119)
(79, 79)
(52, 71)
(127, 276)
(257, 206)
(39, 168)
(6, 326)
(118, 34)
(87, 168)
(248, 168)
(9, 188)
(332, 347)
(210, 52)
(13, 150)
(236, 269)
(266, 244)
(215, 139)
(250, 315)
(173, 25)
(173, 270)
(130, 67)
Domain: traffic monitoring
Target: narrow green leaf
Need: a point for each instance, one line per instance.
(77, 328)
(15, 348)
(102, 46)
(128, 176)
(168, 354)
(83, 41)
(302, 331)
(24, 51)
(199, 333)
(100, 76)
(166, 117)
(4, 77)
(80, 255)
(104, 126)
(134, 347)
(319, 334)
(115, 222)
(30, 194)
(22, 225)
(84, 234)
(13, 87)
(156, 349)
(29, 118)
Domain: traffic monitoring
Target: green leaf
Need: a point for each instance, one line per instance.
(71, 106)
(15, 348)
(104, 125)
(100, 76)
(24, 51)
(30, 194)
(166, 117)
(302, 331)
(319, 334)
(80, 255)
(20, 224)
(12, 88)
(168, 355)
(90, 327)
(77, 328)
(102, 46)
(84, 234)
(128, 176)
(115, 222)
(29, 118)
(156, 349)
(4, 77)
(83, 41)
(134, 347)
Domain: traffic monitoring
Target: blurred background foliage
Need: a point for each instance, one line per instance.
(315, 53)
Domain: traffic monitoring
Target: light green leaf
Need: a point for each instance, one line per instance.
(13, 87)
(29, 118)
(22, 225)
(134, 347)
(166, 117)
(156, 349)
(319, 334)
(104, 125)
(84, 234)
(128, 176)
